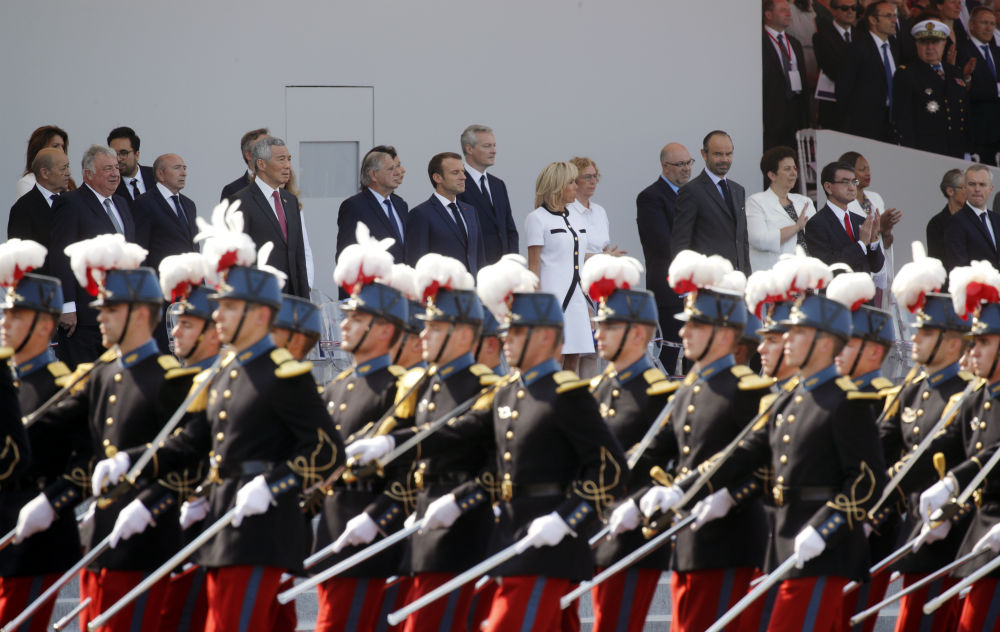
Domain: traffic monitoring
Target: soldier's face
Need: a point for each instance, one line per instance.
(924, 340)
(353, 328)
(186, 333)
(227, 318)
(798, 340)
(982, 354)
(432, 339)
(280, 337)
(609, 338)
(14, 326)
(111, 320)
(695, 338)
(845, 359)
(770, 349)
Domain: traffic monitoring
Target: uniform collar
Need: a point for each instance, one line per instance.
(636, 368)
(944, 374)
(141, 353)
(456, 366)
(820, 378)
(539, 371)
(372, 365)
(994, 389)
(499, 370)
(718, 366)
(866, 379)
(41, 360)
(204, 364)
(417, 365)
(258, 348)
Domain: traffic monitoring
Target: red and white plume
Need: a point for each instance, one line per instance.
(851, 289)
(799, 273)
(692, 270)
(226, 245)
(180, 273)
(914, 280)
(437, 272)
(603, 274)
(363, 262)
(403, 278)
(496, 283)
(18, 257)
(732, 281)
(973, 285)
(91, 258)
(763, 287)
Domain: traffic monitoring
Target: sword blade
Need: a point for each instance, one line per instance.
(773, 578)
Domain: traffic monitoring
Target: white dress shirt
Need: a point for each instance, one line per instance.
(478, 176)
(788, 53)
(445, 202)
(46, 193)
(394, 218)
(70, 306)
(137, 179)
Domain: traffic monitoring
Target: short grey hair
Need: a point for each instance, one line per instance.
(371, 164)
(952, 179)
(979, 167)
(93, 152)
(261, 149)
(469, 135)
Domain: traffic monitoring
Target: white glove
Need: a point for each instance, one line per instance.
(193, 511)
(36, 515)
(410, 520)
(808, 544)
(936, 496)
(712, 508)
(131, 521)
(660, 498)
(624, 518)
(252, 499)
(368, 450)
(360, 529)
(867, 528)
(928, 535)
(109, 472)
(990, 541)
(442, 513)
(548, 530)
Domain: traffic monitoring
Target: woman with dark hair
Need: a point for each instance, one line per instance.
(776, 217)
(44, 136)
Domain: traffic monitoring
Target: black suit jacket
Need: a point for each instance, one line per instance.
(984, 103)
(261, 223)
(234, 187)
(937, 228)
(928, 111)
(148, 180)
(159, 230)
(703, 222)
(496, 220)
(830, 48)
(31, 218)
(430, 227)
(79, 215)
(654, 215)
(827, 240)
(364, 207)
(966, 239)
(862, 89)
(785, 112)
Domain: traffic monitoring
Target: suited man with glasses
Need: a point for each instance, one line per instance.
(864, 89)
(835, 235)
(830, 41)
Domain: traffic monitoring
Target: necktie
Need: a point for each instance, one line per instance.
(989, 60)
(727, 196)
(458, 220)
(112, 216)
(986, 225)
(847, 225)
(180, 209)
(786, 63)
(486, 191)
(135, 189)
(279, 210)
(396, 226)
(52, 198)
(939, 70)
(847, 36)
(888, 72)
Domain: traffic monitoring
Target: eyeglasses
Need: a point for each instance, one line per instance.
(123, 153)
(683, 163)
(591, 177)
(845, 7)
(854, 182)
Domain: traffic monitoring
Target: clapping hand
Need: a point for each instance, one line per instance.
(886, 223)
(869, 228)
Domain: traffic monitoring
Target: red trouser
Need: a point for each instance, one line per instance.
(863, 597)
(185, 608)
(527, 602)
(701, 597)
(106, 587)
(809, 604)
(981, 610)
(447, 613)
(394, 597)
(16, 593)
(346, 605)
(911, 614)
(243, 598)
(482, 603)
(622, 601)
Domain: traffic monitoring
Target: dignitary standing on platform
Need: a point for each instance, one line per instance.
(776, 217)
(31, 215)
(376, 206)
(834, 234)
(487, 193)
(974, 230)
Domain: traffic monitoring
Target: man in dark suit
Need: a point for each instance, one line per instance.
(444, 224)
(135, 179)
(864, 91)
(830, 42)
(271, 213)
(984, 88)
(953, 188)
(241, 182)
(786, 96)
(834, 234)
(31, 215)
(654, 214)
(93, 209)
(487, 193)
(973, 232)
(376, 206)
(711, 209)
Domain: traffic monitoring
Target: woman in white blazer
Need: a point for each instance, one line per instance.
(776, 218)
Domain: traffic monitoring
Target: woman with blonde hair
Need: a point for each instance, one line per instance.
(557, 244)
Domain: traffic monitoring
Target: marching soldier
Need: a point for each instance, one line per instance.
(298, 326)
(489, 350)
(407, 352)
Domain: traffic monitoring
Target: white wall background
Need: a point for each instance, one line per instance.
(554, 78)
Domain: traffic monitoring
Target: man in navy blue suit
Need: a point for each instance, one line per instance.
(444, 224)
(487, 193)
(135, 179)
(31, 215)
(836, 235)
(973, 231)
(376, 205)
(93, 209)
(240, 183)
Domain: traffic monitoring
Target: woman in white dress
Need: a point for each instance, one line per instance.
(557, 244)
(44, 136)
(776, 218)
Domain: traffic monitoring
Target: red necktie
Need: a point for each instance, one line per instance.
(280, 212)
(847, 225)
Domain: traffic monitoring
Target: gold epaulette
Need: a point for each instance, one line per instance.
(343, 374)
(288, 366)
(568, 381)
(167, 362)
(754, 382)
(791, 384)
(228, 358)
(479, 369)
(664, 387)
(58, 369)
(489, 379)
(6, 353)
(863, 395)
(653, 375)
(881, 383)
(108, 356)
(404, 387)
(596, 381)
(741, 370)
(766, 401)
(200, 403)
(409, 379)
(281, 355)
(981, 382)
(397, 370)
(846, 384)
(81, 368)
(180, 372)
(965, 375)
(891, 406)
(485, 401)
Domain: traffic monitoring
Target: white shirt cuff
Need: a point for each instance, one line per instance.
(69, 308)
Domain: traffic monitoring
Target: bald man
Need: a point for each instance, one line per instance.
(655, 218)
(31, 215)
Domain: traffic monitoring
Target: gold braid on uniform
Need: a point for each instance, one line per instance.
(707, 465)
(489, 483)
(307, 468)
(403, 493)
(183, 483)
(851, 506)
(597, 492)
(81, 477)
(10, 456)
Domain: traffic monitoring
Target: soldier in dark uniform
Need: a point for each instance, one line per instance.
(298, 326)
(489, 349)
(31, 309)
(121, 406)
(929, 96)
(409, 352)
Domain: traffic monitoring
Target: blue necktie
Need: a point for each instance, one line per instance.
(396, 226)
(989, 60)
(888, 71)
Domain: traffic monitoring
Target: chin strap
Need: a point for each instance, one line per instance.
(27, 336)
(239, 326)
(524, 349)
(621, 343)
(197, 343)
(447, 338)
(993, 366)
(128, 321)
(399, 350)
(812, 345)
(857, 358)
(937, 345)
(708, 345)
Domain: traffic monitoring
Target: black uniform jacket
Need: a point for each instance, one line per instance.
(930, 111)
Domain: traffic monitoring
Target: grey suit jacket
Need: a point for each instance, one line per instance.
(703, 222)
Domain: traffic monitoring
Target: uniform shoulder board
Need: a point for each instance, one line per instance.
(980, 382)
(596, 381)
(846, 384)
(881, 383)
(167, 362)
(766, 401)
(791, 384)
(293, 368)
(863, 395)
(396, 370)
(965, 375)
(741, 370)
(108, 356)
(343, 374)
(480, 369)
(58, 369)
(653, 375)
(568, 381)
(664, 387)
(281, 355)
(6, 353)
(228, 358)
(754, 382)
(181, 372)
(489, 379)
